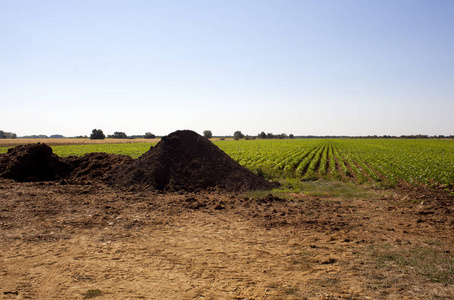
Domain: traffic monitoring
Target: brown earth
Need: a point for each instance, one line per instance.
(197, 235)
(65, 241)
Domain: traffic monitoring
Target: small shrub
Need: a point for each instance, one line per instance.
(92, 294)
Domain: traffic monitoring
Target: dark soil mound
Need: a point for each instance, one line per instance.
(33, 162)
(36, 162)
(94, 166)
(184, 160)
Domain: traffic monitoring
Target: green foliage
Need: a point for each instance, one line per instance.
(263, 135)
(238, 135)
(149, 135)
(380, 162)
(7, 135)
(208, 134)
(118, 135)
(97, 134)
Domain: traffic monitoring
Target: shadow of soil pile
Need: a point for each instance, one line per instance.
(186, 161)
(33, 162)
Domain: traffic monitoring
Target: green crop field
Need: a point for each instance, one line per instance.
(134, 150)
(377, 161)
(387, 162)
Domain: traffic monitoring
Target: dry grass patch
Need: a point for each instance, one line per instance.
(429, 261)
(92, 294)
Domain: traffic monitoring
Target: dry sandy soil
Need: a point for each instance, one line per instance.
(62, 241)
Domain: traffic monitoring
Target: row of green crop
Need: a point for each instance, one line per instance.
(414, 161)
(429, 162)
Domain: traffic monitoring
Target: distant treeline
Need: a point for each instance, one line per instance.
(237, 135)
(291, 136)
(98, 134)
(263, 135)
(42, 136)
(416, 136)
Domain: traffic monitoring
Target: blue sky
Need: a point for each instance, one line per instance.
(302, 67)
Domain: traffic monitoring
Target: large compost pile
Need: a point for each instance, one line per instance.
(184, 160)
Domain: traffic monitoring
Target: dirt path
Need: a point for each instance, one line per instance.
(76, 242)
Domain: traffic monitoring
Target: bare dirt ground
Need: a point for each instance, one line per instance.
(63, 241)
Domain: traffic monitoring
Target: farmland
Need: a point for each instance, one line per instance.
(383, 162)
(374, 161)
(330, 231)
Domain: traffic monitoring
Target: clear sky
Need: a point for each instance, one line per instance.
(316, 67)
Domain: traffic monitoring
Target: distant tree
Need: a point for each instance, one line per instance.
(118, 135)
(10, 135)
(97, 134)
(7, 135)
(207, 134)
(149, 135)
(238, 135)
(291, 136)
(262, 135)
